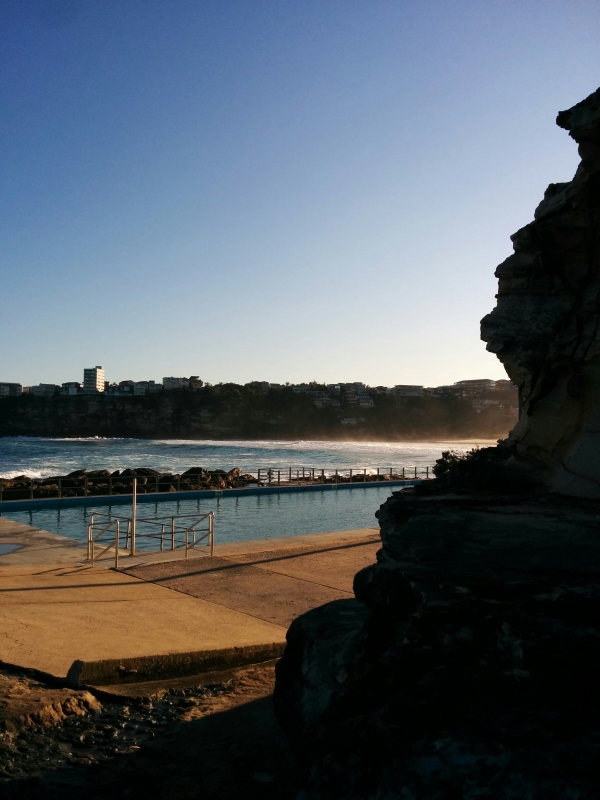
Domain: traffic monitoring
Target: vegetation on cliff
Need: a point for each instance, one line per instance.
(232, 411)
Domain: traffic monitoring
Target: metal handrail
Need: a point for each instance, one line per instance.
(91, 542)
(186, 533)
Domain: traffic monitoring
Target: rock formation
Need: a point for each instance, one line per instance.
(545, 327)
(466, 666)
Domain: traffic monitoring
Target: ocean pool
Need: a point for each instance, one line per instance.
(237, 519)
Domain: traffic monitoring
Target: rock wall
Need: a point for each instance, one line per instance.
(466, 666)
(546, 326)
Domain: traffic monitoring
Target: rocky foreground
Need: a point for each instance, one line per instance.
(215, 739)
(467, 665)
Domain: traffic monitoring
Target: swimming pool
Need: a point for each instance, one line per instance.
(237, 519)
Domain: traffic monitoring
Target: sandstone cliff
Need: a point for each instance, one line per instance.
(466, 666)
(545, 327)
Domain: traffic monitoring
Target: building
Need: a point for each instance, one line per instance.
(176, 383)
(93, 380)
(145, 387)
(10, 389)
(45, 390)
(407, 390)
(476, 386)
(264, 386)
(504, 385)
(71, 388)
(404, 392)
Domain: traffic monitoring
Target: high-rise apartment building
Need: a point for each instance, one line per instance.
(93, 380)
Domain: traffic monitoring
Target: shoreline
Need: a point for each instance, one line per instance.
(294, 440)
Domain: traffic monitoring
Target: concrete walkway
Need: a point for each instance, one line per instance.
(274, 585)
(167, 617)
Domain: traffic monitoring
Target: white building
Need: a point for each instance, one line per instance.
(93, 380)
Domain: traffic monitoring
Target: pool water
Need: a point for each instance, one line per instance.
(237, 519)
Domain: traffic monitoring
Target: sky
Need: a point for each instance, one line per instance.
(286, 190)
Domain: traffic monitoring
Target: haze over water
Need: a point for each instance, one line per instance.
(42, 457)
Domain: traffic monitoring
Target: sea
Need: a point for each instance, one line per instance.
(237, 519)
(39, 457)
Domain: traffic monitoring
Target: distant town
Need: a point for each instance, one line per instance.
(482, 393)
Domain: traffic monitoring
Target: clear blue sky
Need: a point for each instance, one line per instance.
(288, 190)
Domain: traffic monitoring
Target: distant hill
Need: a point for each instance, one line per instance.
(230, 411)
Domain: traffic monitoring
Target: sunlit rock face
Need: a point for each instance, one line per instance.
(546, 325)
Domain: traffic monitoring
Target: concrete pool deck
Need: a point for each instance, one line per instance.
(163, 618)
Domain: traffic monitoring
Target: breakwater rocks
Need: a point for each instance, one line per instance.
(82, 482)
(545, 328)
(103, 482)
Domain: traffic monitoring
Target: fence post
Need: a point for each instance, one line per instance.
(427, 472)
(415, 472)
(89, 541)
(378, 473)
(403, 476)
(31, 489)
(133, 512)
(59, 489)
(350, 476)
(258, 479)
(278, 477)
(110, 485)
(172, 533)
(336, 477)
(322, 476)
(117, 547)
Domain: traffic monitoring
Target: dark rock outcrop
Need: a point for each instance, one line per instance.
(546, 326)
(466, 666)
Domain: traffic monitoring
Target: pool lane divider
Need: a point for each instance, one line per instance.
(125, 499)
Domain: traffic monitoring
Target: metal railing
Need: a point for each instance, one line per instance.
(110, 486)
(93, 536)
(177, 532)
(303, 476)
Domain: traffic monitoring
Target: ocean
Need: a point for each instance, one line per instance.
(42, 457)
